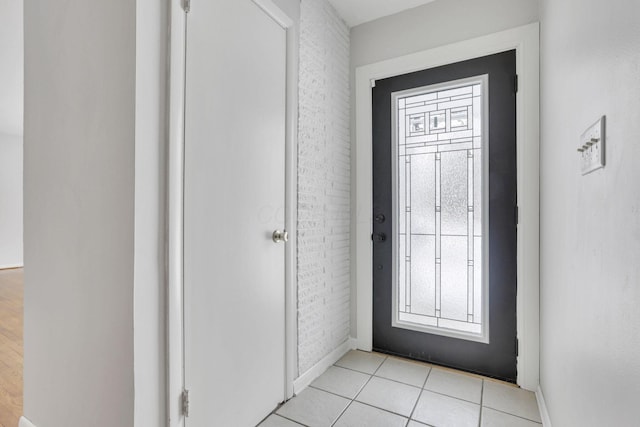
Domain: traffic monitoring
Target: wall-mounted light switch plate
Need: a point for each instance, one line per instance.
(592, 147)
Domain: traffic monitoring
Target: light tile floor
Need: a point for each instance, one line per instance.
(374, 390)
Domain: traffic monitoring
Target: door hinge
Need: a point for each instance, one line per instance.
(515, 83)
(517, 215)
(185, 403)
(186, 5)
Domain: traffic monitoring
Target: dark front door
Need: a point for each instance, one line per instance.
(444, 200)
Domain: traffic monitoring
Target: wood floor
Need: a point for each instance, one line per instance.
(11, 309)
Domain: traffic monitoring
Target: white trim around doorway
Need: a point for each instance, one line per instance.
(525, 40)
(174, 322)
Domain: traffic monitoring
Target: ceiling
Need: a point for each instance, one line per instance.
(356, 12)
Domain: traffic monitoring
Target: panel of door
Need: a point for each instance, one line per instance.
(234, 284)
(444, 200)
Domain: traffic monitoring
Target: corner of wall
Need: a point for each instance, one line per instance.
(318, 369)
(542, 406)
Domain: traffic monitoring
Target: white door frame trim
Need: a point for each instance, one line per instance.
(175, 203)
(525, 40)
(174, 211)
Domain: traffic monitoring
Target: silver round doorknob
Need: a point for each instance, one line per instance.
(280, 236)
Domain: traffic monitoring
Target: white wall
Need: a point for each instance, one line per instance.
(11, 85)
(434, 24)
(11, 69)
(10, 201)
(80, 60)
(590, 290)
(323, 184)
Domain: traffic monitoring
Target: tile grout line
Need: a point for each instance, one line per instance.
(513, 415)
(359, 391)
(385, 378)
(289, 419)
(275, 413)
(332, 393)
(380, 409)
(342, 413)
(415, 405)
(398, 382)
(453, 397)
(371, 376)
(384, 359)
(481, 404)
(327, 391)
(450, 396)
(352, 370)
(507, 413)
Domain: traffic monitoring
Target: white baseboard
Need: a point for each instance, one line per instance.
(10, 266)
(544, 412)
(25, 423)
(318, 369)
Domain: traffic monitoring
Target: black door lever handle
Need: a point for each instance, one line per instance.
(378, 237)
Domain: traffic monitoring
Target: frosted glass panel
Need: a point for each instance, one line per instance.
(438, 182)
(477, 273)
(459, 118)
(423, 273)
(477, 192)
(416, 124)
(454, 192)
(402, 301)
(423, 194)
(453, 278)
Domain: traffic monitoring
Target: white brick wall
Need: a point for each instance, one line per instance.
(323, 184)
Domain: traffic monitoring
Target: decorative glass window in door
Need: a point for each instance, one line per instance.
(439, 176)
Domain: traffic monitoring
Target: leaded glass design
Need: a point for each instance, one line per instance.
(438, 202)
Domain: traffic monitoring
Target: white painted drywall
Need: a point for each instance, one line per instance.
(79, 135)
(590, 239)
(356, 12)
(150, 184)
(323, 184)
(10, 201)
(435, 24)
(11, 69)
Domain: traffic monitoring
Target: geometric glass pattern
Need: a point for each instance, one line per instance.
(438, 202)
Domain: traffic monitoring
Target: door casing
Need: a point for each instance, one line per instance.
(286, 14)
(525, 40)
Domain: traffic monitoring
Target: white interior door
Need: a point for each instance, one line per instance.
(233, 201)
